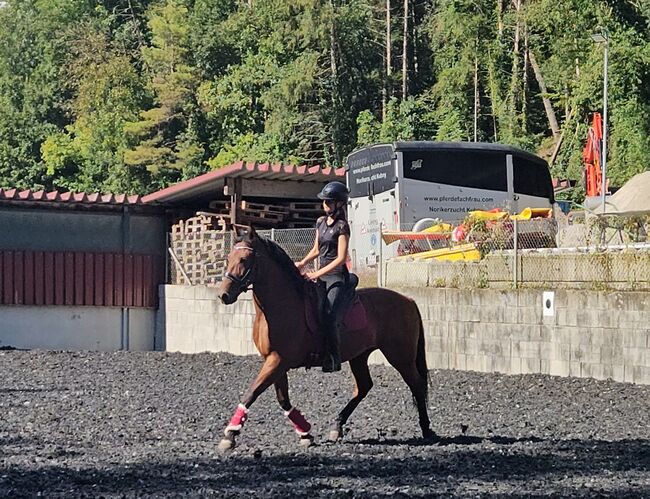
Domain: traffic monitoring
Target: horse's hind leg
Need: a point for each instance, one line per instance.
(271, 369)
(363, 384)
(300, 424)
(418, 385)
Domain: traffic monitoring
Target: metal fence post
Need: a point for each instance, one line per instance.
(168, 243)
(515, 244)
(272, 234)
(380, 273)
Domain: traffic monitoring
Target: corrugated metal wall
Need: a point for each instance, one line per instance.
(86, 254)
(79, 278)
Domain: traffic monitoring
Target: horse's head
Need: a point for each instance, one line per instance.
(240, 268)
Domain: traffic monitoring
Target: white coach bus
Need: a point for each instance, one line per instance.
(395, 185)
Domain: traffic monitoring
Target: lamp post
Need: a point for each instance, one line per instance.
(603, 38)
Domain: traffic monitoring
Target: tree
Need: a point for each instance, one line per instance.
(166, 143)
(108, 93)
(32, 93)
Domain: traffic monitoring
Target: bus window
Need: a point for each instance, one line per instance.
(532, 178)
(472, 169)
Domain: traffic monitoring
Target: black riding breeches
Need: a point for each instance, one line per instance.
(335, 285)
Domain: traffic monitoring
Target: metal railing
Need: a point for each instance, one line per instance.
(592, 252)
(581, 252)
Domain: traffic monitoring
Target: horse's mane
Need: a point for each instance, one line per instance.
(279, 256)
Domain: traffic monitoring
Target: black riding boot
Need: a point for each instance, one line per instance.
(335, 285)
(332, 354)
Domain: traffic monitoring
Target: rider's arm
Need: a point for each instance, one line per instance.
(341, 256)
(313, 253)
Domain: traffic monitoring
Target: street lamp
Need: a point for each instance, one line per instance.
(603, 38)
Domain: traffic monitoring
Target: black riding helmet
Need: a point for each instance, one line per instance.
(336, 191)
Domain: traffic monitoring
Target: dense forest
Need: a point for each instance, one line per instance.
(131, 95)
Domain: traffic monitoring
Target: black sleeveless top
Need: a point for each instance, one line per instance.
(328, 242)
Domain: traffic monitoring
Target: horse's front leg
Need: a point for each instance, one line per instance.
(300, 424)
(271, 370)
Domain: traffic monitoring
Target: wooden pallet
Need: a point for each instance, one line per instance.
(245, 205)
(311, 214)
(201, 245)
(299, 225)
(311, 221)
(305, 205)
(260, 222)
(265, 215)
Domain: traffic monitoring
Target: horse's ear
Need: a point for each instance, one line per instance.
(251, 234)
(239, 231)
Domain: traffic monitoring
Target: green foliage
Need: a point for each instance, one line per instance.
(133, 95)
(368, 128)
(167, 144)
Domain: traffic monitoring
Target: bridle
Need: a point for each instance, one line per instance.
(245, 280)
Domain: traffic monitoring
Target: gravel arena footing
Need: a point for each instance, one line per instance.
(148, 424)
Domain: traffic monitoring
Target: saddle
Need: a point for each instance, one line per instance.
(353, 312)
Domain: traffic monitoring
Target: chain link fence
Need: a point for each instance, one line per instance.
(198, 254)
(584, 252)
(576, 251)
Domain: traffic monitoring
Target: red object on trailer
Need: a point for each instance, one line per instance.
(591, 156)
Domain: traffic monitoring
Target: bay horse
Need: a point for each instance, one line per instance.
(282, 335)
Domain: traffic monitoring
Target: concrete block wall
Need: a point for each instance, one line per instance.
(585, 334)
(191, 319)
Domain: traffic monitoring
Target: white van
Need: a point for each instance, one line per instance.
(395, 185)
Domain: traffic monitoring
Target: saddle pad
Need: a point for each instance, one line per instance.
(355, 317)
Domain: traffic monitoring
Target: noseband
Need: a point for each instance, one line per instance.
(246, 280)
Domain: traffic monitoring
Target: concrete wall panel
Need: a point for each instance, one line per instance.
(76, 328)
(484, 330)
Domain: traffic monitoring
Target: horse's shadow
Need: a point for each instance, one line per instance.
(561, 465)
(444, 441)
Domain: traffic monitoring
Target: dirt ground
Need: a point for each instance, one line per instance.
(148, 425)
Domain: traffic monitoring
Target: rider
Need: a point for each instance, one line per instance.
(331, 245)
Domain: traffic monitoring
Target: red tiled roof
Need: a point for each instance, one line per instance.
(67, 197)
(263, 171)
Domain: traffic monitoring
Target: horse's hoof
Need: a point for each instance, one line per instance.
(306, 441)
(334, 436)
(431, 436)
(226, 444)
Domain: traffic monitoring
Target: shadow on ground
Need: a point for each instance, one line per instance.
(339, 469)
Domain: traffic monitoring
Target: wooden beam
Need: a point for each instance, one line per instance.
(282, 189)
(234, 190)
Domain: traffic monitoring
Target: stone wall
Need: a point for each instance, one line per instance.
(577, 333)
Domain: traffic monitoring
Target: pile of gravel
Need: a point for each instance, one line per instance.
(148, 424)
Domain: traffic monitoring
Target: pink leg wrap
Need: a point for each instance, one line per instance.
(300, 424)
(238, 419)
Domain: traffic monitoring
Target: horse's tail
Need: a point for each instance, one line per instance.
(421, 355)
